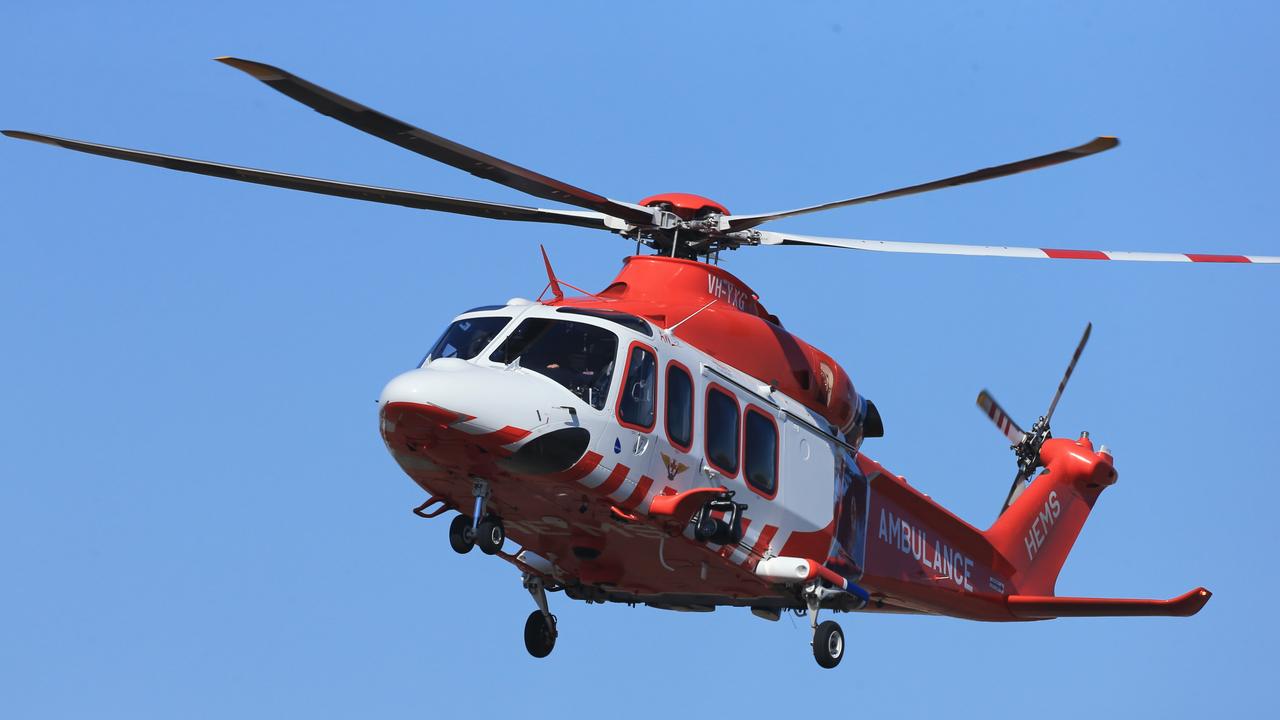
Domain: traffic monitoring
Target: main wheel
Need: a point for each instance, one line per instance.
(490, 536)
(460, 535)
(828, 644)
(539, 635)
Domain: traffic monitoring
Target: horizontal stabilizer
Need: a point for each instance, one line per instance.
(1046, 606)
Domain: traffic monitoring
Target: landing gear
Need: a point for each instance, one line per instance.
(490, 536)
(828, 638)
(828, 644)
(539, 635)
(540, 628)
(460, 536)
(479, 529)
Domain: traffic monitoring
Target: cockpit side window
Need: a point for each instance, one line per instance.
(638, 401)
(465, 338)
(578, 356)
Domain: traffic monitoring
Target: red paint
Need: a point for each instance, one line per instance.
(614, 481)
(1040, 607)
(686, 205)
(638, 494)
(668, 291)
(1218, 258)
(1075, 254)
(762, 543)
(580, 469)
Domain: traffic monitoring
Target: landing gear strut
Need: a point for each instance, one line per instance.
(540, 628)
(828, 638)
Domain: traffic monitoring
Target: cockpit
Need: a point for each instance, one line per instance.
(579, 356)
(465, 338)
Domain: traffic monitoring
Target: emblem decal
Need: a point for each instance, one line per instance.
(674, 467)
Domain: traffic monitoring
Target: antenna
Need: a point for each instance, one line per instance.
(552, 282)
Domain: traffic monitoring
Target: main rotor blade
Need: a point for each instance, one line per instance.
(406, 198)
(1075, 357)
(433, 146)
(1097, 145)
(775, 238)
(1001, 419)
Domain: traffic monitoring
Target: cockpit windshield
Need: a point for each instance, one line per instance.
(578, 356)
(465, 338)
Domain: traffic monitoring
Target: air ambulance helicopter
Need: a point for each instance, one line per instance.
(666, 441)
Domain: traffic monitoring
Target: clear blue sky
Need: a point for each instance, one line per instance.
(200, 520)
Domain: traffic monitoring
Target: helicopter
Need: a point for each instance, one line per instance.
(666, 442)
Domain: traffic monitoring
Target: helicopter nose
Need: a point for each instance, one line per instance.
(455, 402)
(453, 391)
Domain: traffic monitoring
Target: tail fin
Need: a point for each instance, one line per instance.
(1037, 531)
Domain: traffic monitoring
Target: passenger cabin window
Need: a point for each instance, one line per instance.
(578, 356)
(760, 454)
(722, 431)
(465, 338)
(637, 403)
(679, 407)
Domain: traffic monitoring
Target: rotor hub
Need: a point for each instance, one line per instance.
(685, 205)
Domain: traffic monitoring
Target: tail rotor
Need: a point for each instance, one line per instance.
(1026, 444)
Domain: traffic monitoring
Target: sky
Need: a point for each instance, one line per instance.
(200, 519)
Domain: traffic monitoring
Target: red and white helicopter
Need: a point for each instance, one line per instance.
(665, 441)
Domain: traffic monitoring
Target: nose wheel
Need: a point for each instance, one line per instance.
(488, 535)
(480, 529)
(461, 538)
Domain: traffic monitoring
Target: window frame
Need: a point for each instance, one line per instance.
(706, 421)
(777, 450)
(622, 387)
(666, 405)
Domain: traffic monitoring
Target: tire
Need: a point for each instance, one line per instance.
(828, 644)
(539, 636)
(459, 535)
(490, 536)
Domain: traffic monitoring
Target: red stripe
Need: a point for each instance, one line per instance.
(1075, 254)
(727, 550)
(762, 542)
(505, 436)
(1218, 258)
(637, 495)
(614, 481)
(580, 470)
(435, 413)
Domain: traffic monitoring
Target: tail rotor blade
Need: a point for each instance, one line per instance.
(1070, 368)
(1001, 419)
(1019, 482)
